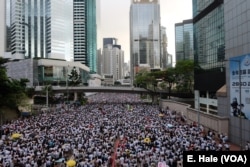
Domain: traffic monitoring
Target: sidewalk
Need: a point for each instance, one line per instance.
(234, 147)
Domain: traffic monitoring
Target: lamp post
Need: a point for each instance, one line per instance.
(47, 96)
(67, 87)
(240, 118)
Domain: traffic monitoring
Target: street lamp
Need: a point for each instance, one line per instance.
(67, 86)
(47, 95)
(240, 119)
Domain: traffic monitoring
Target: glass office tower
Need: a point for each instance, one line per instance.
(209, 46)
(184, 49)
(144, 35)
(91, 35)
(40, 29)
(85, 40)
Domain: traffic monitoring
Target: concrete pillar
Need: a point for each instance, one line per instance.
(75, 96)
(154, 99)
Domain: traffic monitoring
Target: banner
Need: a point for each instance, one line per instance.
(240, 74)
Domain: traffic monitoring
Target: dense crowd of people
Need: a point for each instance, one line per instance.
(111, 128)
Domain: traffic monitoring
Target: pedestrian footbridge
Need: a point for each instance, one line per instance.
(59, 89)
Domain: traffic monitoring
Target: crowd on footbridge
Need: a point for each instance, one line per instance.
(111, 130)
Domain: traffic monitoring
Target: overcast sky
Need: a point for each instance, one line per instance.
(114, 19)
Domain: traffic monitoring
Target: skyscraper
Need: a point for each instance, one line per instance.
(52, 29)
(41, 29)
(113, 59)
(2, 28)
(184, 49)
(164, 52)
(237, 53)
(85, 40)
(91, 35)
(209, 43)
(144, 35)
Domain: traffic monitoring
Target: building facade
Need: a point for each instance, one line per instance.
(85, 39)
(184, 48)
(40, 72)
(145, 35)
(112, 59)
(99, 61)
(91, 35)
(2, 28)
(51, 29)
(164, 45)
(209, 44)
(39, 29)
(235, 103)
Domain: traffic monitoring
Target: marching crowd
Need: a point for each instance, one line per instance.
(111, 128)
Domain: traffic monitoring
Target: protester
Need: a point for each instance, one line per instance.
(145, 135)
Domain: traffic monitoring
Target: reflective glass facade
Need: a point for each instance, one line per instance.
(57, 75)
(41, 28)
(209, 53)
(61, 29)
(145, 34)
(209, 38)
(91, 35)
(184, 49)
(237, 35)
(80, 43)
(85, 39)
(209, 43)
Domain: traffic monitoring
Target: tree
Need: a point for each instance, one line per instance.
(13, 91)
(185, 75)
(4, 80)
(170, 78)
(140, 79)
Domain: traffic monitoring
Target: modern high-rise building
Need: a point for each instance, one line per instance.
(85, 39)
(145, 35)
(99, 61)
(51, 29)
(91, 35)
(2, 28)
(113, 59)
(40, 29)
(164, 51)
(184, 49)
(234, 97)
(112, 41)
(98, 23)
(209, 44)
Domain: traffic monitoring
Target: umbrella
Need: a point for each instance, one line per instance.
(16, 135)
(60, 160)
(66, 146)
(71, 163)
(161, 115)
(170, 125)
(147, 140)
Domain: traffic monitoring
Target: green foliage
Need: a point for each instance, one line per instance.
(141, 79)
(185, 73)
(180, 77)
(13, 92)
